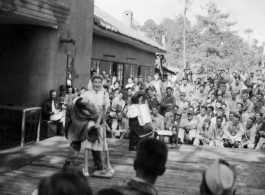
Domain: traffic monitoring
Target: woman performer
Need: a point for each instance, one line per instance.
(138, 128)
(99, 98)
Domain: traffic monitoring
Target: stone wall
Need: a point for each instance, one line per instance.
(33, 61)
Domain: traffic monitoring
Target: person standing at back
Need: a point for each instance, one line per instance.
(158, 84)
(149, 82)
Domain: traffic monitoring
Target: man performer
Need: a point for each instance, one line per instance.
(78, 115)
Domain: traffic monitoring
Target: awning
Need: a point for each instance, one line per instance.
(170, 69)
(43, 12)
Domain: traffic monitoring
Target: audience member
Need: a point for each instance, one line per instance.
(120, 126)
(168, 102)
(66, 182)
(158, 121)
(149, 164)
(203, 134)
(219, 178)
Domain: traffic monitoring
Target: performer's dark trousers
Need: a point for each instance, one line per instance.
(73, 152)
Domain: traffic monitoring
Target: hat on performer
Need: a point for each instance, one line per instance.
(140, 76)
(92, 134)
(220, 178)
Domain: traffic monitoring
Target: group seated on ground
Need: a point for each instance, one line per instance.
(223, 110)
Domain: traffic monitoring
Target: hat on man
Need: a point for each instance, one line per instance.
(140, 76)
(92, 134)
(220, 178)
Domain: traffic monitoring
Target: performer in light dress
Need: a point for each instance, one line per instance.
(98, 97)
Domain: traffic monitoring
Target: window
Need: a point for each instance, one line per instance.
(120, 72)
(148, 70)
(69, 71)
(95, 66)
(132, 71)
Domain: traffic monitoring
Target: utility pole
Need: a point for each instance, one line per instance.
(184, 35)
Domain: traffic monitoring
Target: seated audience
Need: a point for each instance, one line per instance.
(201, 95)
(130, 83)
(250, 132)
(151, 98)
(220, 112)
(51, 109)
(149, 82)
(233, 133)
(117, 104)
(247, 105)
(217, 132)
(168, 102)
(120, 126)
(70, 93)
(83, 90)
(232, 103)
(170, 116)
(202, 116)
(189, 126)
(261, 135)
(259, 102)
(203, 133)
(158, 121)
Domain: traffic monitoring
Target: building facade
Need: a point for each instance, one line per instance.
(42, 44)
(48, 43)
(120, 50)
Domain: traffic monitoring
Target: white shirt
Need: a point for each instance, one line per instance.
(53, 106)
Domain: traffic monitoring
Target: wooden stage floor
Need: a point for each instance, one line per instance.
(183, 174)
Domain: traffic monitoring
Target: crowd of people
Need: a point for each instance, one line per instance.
(222, 109)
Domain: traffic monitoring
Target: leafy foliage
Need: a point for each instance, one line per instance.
(210, 41)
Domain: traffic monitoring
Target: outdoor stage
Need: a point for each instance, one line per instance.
(183, 174)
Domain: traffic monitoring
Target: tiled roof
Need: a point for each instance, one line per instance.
(108, 22)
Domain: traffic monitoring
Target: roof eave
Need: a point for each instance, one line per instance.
(122, 38)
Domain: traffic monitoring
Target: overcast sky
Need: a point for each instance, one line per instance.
(247, 13)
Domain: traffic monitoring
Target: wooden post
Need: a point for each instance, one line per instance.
(184, 36)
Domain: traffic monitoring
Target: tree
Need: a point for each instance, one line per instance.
(210, 41)
(248, 32)
(150, 29)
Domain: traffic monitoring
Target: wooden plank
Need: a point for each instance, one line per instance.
(183, 174)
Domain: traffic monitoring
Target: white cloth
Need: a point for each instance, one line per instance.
(189, 136)
(134, 111)
(129, 85)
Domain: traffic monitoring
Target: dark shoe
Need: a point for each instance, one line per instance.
(190, 142)
(66, 165)
(179, 141)
(99, 168)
